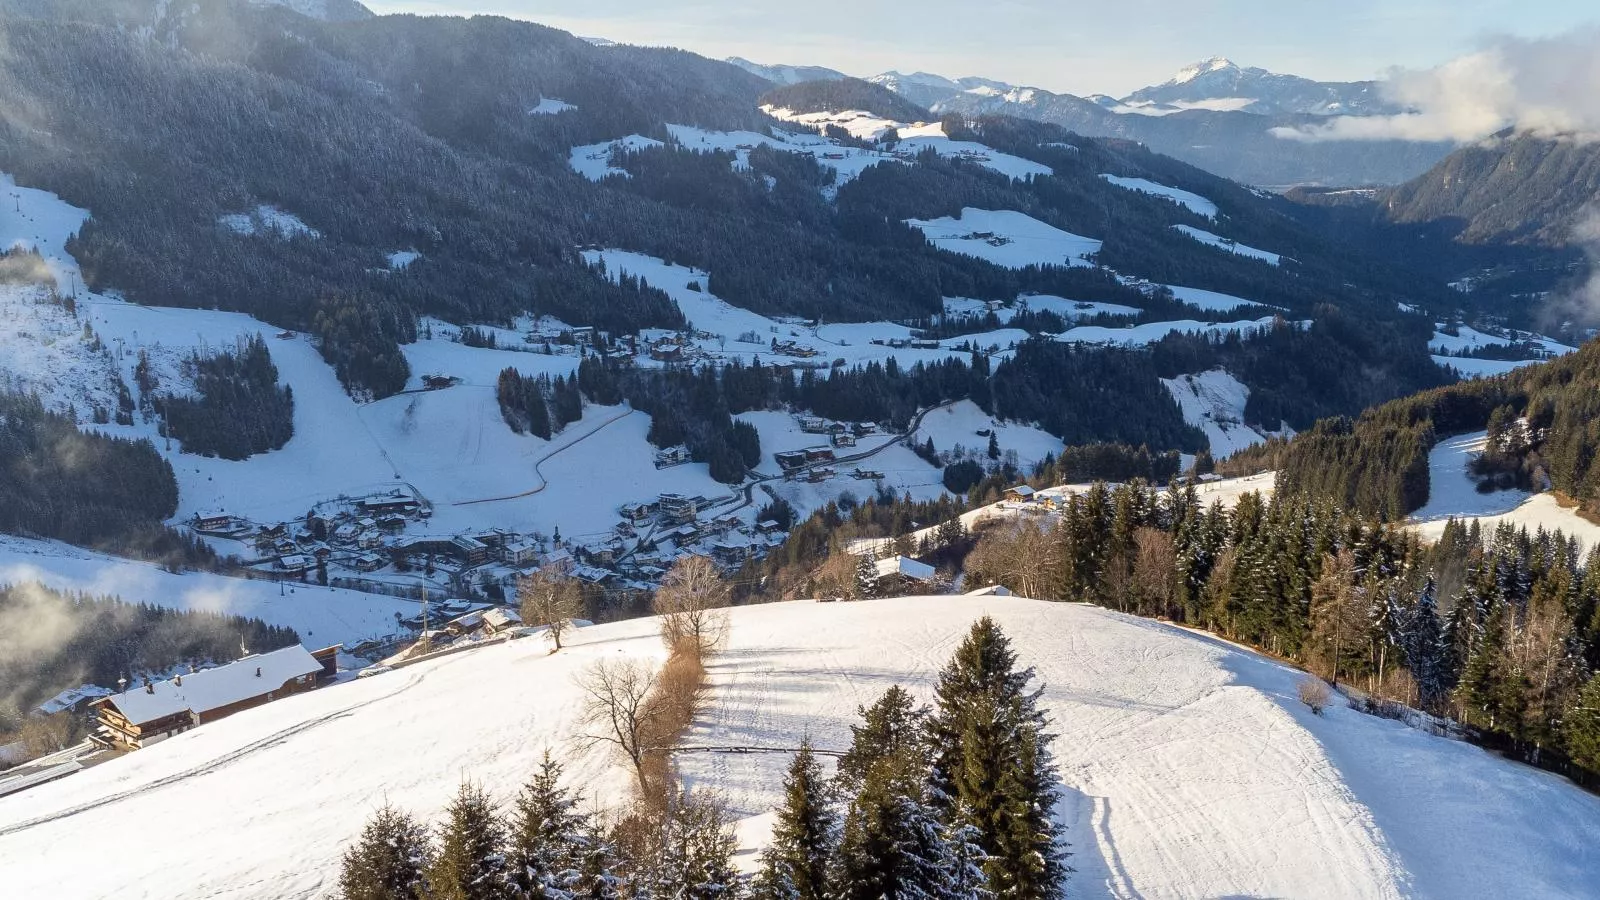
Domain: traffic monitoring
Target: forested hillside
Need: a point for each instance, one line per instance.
(843, 94)
(1543, 432)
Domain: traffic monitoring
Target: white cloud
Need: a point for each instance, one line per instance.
(1546, 85)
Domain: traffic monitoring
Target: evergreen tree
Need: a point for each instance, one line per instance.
(1425, 649)
(1582, 727)
(388, 860)
(795, 865)
(471, 862)
(893, 725)
(866, 576)
(547, 845)
(694, 860)
(892, 844)
(992, 763)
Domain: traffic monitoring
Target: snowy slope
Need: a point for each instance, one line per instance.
(1452, 494)
(1228, 244)
(1150, 332)
(593, 161)
(1072, 310)
(915, 137)
(1194, 202)
(321, 615)
(1214, 402)
(1210, 301)
(1188, 768)
(958, 425)
(1007, 238)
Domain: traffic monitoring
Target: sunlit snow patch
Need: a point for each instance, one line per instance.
(268, 221)
(1007, 238)
(1228, 244)
(1194, 202)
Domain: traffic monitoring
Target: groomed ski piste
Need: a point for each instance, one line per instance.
(1187, 766)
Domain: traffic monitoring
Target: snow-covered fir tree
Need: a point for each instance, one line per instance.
(992, 764)
(471, 862)
(388, 860)
(548, 837)
(796, 864)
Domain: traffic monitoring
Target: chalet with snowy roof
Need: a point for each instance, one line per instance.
(520, 552)
(158, 710)
(897, 574)
(1020, 494)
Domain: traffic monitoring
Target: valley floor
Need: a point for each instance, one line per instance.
(1188, 768)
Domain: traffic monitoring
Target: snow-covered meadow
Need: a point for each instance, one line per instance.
(1195, 203)
(1187, 766)
(1007, 238)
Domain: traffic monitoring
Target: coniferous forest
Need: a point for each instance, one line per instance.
(239, 409)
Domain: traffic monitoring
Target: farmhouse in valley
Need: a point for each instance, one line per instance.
(155, 711)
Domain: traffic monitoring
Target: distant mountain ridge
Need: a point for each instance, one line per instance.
(1214, 81)
(1213, 114)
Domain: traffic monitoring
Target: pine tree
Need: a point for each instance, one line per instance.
(866, 576)
(1582, 727)
(695, 856)
(547, 837)
(1425, 650)
(992, 763)
(892, 845)
(795, 865)
(471, 863)
(893, 725)
(388, 860)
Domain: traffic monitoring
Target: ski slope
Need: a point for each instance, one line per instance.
(1188, 769)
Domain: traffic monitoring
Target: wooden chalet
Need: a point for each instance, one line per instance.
(158, 710)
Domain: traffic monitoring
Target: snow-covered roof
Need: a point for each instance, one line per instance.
(900, 565)
(993, 590)
(1021, 491)
(71, 697)
(212, 688)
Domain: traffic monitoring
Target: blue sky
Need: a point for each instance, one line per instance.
(1061, 45)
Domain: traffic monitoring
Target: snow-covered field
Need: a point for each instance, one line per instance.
(593, 161)
(1188, 769)
(268, 221)
(1468, 338)
(1452, 494)
(1228, 244)
(1214, 402)
(1073, 310)
(1209, 301)
(1193, 202)
(1007, 238)
(915, 137)
(958, 425)
(321, 615)
(1150, 332)
(1469, 367)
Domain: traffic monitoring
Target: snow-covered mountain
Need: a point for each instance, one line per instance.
(326, 10)
(786, 74)
(1219, 84)
(1186, 765)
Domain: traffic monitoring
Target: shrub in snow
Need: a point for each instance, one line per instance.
(1314, 693)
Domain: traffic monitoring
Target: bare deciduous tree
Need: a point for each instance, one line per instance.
(1314, 693)
(1154, 563)
(551, 600)
(690, 603)
(1023, 557)
(617, 710)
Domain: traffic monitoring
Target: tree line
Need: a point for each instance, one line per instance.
(1498, 631)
